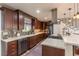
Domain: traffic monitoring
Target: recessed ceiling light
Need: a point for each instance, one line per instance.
(45, 18)
(37, 11)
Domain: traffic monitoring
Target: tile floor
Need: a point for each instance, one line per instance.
(35, 51)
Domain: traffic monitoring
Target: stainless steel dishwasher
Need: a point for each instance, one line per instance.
(22, 46)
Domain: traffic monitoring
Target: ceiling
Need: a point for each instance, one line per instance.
(30, 8)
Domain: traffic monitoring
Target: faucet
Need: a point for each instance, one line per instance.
(66, 31)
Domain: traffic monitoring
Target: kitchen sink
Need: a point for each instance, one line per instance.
(55, 37)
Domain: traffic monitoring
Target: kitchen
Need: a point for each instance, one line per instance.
(51, 29)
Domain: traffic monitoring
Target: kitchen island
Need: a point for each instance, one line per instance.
(70, 42)
(67, 43)
(53, 47)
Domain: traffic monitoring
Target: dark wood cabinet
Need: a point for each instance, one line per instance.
(18, 47)
(7, 18)
(32, 42)
(75, 50)
(37, 24)
(45, 25)
(12, 48)
(52, 51)
(15, 20)
(20, 20)
(21, 16)
(39, 38)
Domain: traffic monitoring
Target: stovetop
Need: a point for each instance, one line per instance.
(55, 37)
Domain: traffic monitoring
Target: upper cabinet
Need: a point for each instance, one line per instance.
(20, 18)
(23, 20)
(45, 25)
(7, 18)
(38, 24)
(15, 21)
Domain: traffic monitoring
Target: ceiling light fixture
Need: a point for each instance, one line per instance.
(70, 20)
(74, 17)
(77, 16)
(45, 18)
(65, 17)
(70, 14)
(37, 11)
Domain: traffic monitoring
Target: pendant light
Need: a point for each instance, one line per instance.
(69, 15)
(77, 15)
(64, 17)
(74, 17)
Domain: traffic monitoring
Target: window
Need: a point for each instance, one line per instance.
(27, 24)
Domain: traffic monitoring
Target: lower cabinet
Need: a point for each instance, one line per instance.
(37, 39)
(12, 48)
(52, 51)
(76, 50)
(18, 47)
(32, 42)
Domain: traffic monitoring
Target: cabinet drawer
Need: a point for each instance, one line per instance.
(11, 51)
(52, 51)
(12, 48)
(12, 43)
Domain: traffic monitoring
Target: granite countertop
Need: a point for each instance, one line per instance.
(54, 43)
(20, 37)
(73, 39)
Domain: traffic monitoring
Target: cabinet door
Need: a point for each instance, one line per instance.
(37, 24)
(37, 38)
(21, 21)
(12, 48)
(32, 42)
(8, 18)
(28, 43)
(15, 20)
(76, 50)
